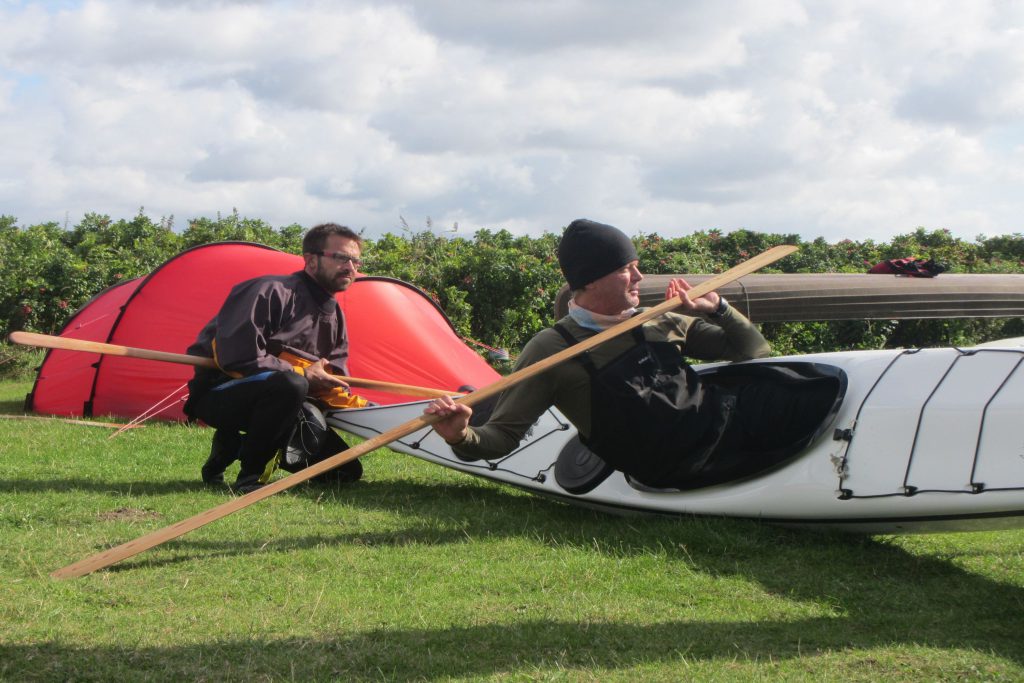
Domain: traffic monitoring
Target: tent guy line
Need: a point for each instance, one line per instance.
(160, 406)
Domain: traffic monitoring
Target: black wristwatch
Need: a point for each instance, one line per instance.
(723, 306)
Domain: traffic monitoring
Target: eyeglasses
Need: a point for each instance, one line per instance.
(340, 259)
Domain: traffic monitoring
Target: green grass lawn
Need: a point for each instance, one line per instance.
(422, 573)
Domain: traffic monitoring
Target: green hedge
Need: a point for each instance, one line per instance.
(497, 288)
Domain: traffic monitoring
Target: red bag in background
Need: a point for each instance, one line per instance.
(912, 267)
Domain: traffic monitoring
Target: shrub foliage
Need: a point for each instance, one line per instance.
(496, 287)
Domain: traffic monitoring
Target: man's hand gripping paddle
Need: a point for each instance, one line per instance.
(155, 538)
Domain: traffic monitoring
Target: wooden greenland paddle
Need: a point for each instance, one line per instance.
(155, 538)
(64, 343)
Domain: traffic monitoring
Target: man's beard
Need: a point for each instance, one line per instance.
(333, 285)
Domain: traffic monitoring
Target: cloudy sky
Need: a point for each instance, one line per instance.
(842, 119)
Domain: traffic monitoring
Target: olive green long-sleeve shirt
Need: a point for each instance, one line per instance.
(567, 385)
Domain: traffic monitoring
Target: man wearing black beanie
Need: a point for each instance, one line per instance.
(589, 250)
(634, 399)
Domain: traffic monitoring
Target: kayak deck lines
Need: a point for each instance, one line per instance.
(906, 488)
(337, 418)
(978, 486)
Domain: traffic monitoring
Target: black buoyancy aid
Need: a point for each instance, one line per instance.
(650, 417)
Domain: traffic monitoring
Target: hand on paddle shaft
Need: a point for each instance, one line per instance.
(320, 377)
(454, 417)
(678, 287)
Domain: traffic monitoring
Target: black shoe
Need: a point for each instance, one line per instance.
(343, 474)
(243, 489)
(247, 483)
(223, 452)
(349, 472)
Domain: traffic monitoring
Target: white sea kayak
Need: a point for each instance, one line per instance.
(916, 441)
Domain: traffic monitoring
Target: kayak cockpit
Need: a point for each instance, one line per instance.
(809, 395)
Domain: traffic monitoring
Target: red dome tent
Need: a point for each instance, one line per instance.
(396, 333)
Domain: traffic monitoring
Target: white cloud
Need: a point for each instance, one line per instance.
(843, 120)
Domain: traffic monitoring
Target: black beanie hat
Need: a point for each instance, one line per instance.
(589, 251)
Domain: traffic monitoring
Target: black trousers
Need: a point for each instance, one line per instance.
(264, 407)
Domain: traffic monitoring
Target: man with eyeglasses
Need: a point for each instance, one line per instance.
(258, 402)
